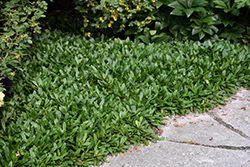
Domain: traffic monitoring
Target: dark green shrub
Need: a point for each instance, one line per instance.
(197, 20)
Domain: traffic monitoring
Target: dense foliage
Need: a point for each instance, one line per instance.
(163, 20)
(79, 99)
(19, 19)
(146, 20)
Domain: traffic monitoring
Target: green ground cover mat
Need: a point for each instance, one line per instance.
(78, 99)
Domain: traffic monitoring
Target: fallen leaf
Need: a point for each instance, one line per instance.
(179, 125)
(155, 131)
(80, 161)
(237, 91)
(164, 122)
(192, 122)
(243, 108)
(137, 150)
(161, 110)
(122, 155)
(219, 122)
(175, 120)
(189, 118)
(242, 99)
(177, 116)
(224, 114)
(129, 150)
(141, 145)
(211, 139)
(195, 116)
(219, 118)
(225, 104)
(135, 147)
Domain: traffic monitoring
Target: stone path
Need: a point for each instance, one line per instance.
(220, 138)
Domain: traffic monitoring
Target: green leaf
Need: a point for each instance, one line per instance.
(248, 30)
(144, 39)
(163, 37)
(130, 31)
(208, 19)
(189, 12)
(208, 31)
(177, 12)
(176, 5)
(158, 26)
(158, 4)
(201, 35)
(220, 4)
(195, 31)
(235, 12)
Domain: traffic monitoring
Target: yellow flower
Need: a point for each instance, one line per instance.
(87, 21)
(139, 24)
(89, 34)
(101, 19)
(110, 23)
(1, 99)
(114, 17)
(148, 18)
(88, 5)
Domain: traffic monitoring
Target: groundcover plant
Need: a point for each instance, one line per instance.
(78, 100)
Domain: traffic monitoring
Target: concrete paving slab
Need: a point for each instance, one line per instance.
(247, 164)
(236, 112)
(204, 130)
(170, 154)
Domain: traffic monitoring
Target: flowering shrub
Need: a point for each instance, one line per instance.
(116, 15)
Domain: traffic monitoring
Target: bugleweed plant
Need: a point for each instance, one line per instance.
(78, 100)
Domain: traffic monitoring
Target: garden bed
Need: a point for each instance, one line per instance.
(78, 99)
